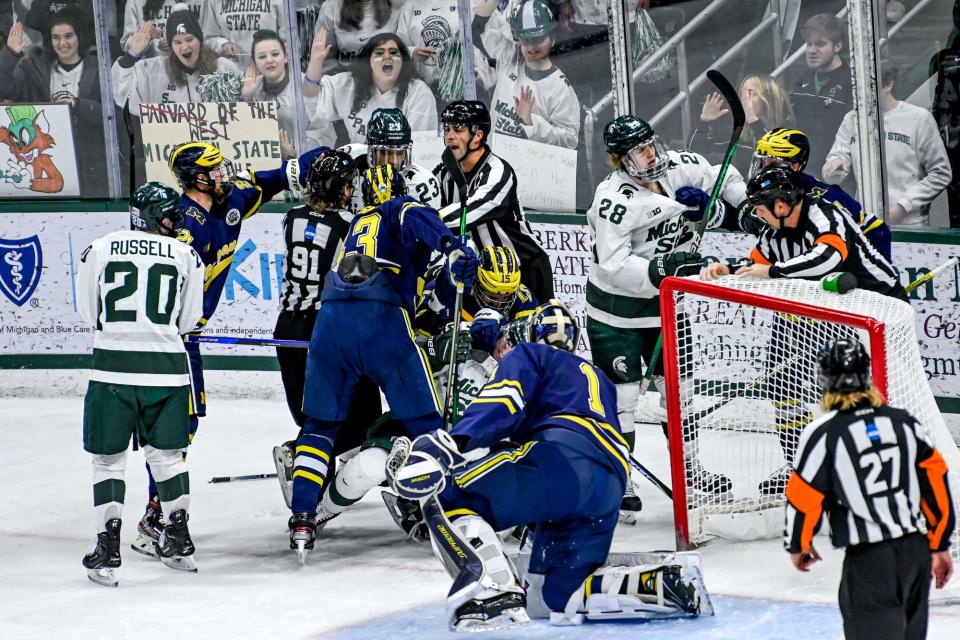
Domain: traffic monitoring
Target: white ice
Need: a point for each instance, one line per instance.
(364, 580)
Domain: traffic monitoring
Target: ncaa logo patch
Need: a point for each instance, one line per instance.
(233, 217)
(20, 264)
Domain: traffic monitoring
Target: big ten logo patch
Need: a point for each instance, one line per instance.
(21, 263)
(258, 273)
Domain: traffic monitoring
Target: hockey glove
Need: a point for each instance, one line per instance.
(461, 263)
(485, 329)
(438, 347)
(297, 169)
(678, 263)
(432, 457)
(748, 220)
(696, 201)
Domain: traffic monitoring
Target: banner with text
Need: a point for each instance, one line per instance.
(39, 254)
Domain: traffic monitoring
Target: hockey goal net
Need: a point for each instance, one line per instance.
(740, 365)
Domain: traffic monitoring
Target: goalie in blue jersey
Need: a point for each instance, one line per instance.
(556, 462)
(363, 328)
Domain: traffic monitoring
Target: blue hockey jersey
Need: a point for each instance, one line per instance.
(213, 234)
(400, 234)
(539, 392)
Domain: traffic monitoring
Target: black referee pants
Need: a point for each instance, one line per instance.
(365, 406)
(884, 590)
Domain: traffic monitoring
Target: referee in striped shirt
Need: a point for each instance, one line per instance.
(871, 468)
(494, 214)
(803, 240)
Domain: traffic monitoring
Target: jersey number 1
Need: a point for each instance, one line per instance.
(593, 389)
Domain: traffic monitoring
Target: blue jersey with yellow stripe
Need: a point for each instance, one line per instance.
(213, 234)
(539, 392)
(875, 229)
(400, 234)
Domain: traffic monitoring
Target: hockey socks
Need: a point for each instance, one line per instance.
(108, 488)
(173, 481)
(310, 465)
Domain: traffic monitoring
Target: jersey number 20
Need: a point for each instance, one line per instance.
(162, 283)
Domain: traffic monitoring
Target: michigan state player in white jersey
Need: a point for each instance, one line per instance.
(390, 141)
(642, 220)
(142, 290)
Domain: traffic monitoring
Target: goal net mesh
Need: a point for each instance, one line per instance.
(743, 353)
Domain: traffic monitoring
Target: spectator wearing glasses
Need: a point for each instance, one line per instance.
(383, 78)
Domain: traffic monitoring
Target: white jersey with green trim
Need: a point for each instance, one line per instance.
(421, 183)
(631, 225)
(555, 117)
(142, 292)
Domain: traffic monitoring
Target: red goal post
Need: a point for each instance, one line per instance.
(739, 360)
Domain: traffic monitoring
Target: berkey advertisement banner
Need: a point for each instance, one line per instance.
(39, 254)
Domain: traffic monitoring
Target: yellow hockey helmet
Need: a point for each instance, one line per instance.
(781, 145)
(498, 278)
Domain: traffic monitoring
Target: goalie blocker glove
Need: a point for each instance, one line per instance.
(424, 471)
(678, 263)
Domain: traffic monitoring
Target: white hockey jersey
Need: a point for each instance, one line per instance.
(631, 225)
(421, 184)
(556, 108)
(142, 292)
(147, 82)
(335, 102)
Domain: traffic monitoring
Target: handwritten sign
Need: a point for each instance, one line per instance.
(247, 133)
(37, 156)
(546, 175)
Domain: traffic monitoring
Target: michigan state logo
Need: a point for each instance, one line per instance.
(20, 265)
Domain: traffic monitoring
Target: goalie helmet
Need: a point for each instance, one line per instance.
(532, 21)
(627, 139)
(774, 183)
(781, 145)
(150, 204)
(328, 175)
(389, 139)
(553, 324)
(380, 184)
(844, 366)
(498, 278)
(192, 162)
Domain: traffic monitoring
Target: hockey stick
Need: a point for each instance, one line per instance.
(646, 473)
(739, 119)
(251, 342)
(700, 415)
(251, 476)
(450, 401)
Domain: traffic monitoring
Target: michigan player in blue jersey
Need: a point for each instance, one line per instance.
(558, 461)
(363, 328)
(792, 147)
(214, 203)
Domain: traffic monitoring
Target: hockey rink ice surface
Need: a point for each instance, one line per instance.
(363, 580)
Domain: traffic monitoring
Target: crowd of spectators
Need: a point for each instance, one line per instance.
(539, 64)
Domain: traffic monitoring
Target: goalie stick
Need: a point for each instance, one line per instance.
(739, 119)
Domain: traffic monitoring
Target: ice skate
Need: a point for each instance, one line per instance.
(630, 506)
(324, 516)
(303, 532)
(707, 482)
(283, 460)
(149, 530)
(175, 548)
(771, 489)
(102, 562)
(491, 610)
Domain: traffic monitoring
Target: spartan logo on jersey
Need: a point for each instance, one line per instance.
(620, 366)
(435, 32)
(21, 262)
(233, 217)
(627, 191)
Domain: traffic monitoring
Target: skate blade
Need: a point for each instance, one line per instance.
(144, 545)
(286, 486)
(302, 552)
(106, 577)
(507, 619)
(180, 563)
